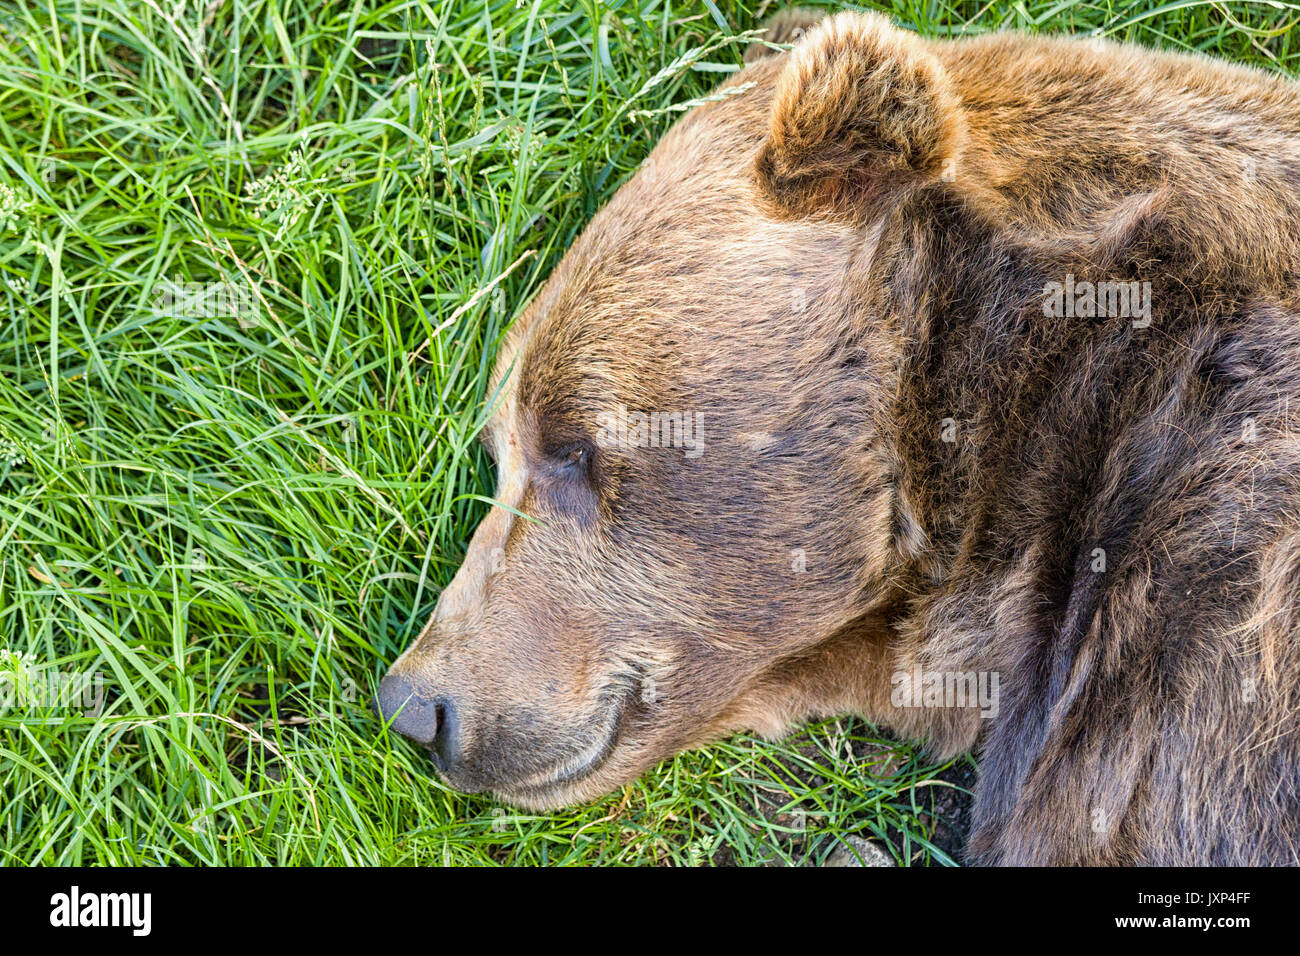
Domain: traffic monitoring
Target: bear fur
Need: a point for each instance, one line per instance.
(989, 460)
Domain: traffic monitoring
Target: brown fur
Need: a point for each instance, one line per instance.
(840, 267)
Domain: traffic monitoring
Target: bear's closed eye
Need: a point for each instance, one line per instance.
(570, 459)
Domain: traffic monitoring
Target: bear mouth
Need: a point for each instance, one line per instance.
(574, 768)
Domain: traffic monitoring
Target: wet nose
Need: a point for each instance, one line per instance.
(430, 721)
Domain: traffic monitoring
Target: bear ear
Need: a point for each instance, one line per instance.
(861, 110)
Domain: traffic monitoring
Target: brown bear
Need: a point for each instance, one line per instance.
(943, 382)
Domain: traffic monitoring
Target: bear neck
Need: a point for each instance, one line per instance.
(1028, 446)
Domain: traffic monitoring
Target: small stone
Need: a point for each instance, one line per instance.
(871, 853)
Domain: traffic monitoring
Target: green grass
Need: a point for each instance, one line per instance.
(239, 520)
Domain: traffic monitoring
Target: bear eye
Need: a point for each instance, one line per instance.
(568, 480)
(572, 459)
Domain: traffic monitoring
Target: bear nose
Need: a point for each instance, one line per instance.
(428, 721)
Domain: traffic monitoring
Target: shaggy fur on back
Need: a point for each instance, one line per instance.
(1113, 527)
